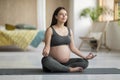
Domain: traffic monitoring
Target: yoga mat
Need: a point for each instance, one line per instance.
(40, 72)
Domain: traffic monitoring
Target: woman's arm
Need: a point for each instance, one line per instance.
(48, 35)
(76, 51)
(73, 47)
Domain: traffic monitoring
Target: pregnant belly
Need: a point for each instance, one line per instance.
(60, 53)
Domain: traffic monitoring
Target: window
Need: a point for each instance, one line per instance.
(117, 9)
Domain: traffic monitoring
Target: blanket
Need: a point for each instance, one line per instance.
(20, 38)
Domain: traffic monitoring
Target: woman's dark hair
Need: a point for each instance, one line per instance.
(54, 20)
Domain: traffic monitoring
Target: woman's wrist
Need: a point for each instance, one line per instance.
(84, 57)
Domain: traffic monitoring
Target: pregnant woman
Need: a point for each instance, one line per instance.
(59, 43)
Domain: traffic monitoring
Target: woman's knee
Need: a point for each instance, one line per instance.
(45, 60)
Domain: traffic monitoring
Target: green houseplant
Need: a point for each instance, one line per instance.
(94, 13)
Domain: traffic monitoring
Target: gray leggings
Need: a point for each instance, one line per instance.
(51, 65)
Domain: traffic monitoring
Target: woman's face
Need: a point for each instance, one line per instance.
(62, 16)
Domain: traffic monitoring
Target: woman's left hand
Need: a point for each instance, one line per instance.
(90, 56)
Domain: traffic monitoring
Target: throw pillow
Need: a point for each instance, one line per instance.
(9, 27)
(25, 26)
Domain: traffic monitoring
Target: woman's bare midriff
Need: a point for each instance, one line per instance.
(60, 53)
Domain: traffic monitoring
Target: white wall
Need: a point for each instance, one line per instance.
(113, 36)
(80, 26)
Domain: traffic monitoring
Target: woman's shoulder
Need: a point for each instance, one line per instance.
(49, 30)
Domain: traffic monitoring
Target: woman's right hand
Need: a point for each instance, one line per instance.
(45, 52)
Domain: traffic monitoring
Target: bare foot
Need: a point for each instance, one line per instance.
(76, 69)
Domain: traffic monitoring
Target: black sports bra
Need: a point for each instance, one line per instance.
(57, 39)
